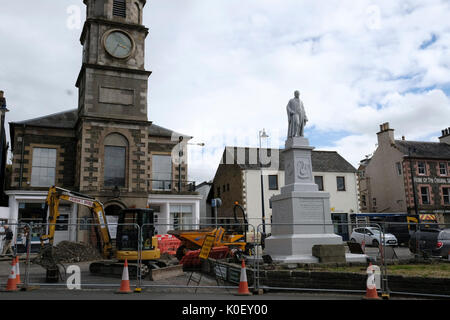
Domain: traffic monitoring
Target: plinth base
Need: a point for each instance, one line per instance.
(297, 245)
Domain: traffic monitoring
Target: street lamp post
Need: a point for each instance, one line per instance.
(3, 111)
(262, 134)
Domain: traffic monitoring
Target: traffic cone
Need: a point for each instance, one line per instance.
(12, 281)
(371, 288)
(125, 283)
(243, 284)
(18, 281)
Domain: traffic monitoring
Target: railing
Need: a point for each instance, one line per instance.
(171, 185)
(33, 274)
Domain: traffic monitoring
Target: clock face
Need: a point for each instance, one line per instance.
(118, 44)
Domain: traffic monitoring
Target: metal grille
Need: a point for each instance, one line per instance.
(119, 8)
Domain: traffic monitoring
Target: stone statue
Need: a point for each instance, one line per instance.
(296, 116)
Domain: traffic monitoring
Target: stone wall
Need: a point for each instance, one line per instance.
(34, 137)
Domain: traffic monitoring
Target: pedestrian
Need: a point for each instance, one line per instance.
(7, 240)
(26, 234)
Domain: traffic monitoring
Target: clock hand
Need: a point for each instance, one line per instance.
(115, 49)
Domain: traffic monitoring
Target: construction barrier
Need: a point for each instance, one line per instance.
(260, 276)
(192, 259)
(167, 243)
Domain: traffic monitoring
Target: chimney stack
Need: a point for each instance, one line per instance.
(386, 135)
(445, 138)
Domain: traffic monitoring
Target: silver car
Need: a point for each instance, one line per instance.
(371, 236)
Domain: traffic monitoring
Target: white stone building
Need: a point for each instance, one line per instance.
(238, 178)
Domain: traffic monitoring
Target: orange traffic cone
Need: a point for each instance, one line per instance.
(125, 283)
(12, 282)
(243, 284)
(371, 288)
(18, 281)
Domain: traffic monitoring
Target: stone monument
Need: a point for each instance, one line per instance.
(301, 215)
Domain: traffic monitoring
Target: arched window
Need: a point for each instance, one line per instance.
(115, 166)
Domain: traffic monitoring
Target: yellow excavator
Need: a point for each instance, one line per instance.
(131, 245)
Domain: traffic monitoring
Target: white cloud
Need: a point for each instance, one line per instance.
(225, 69)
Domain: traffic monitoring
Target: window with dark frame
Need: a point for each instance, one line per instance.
(340, 181)
(273, 182)
(114, 167)
(43, 170)
(319, 181)
(421, 167)
(446, 194)
(442, 168)
(162, 172)
(425, 195)
(363, 200)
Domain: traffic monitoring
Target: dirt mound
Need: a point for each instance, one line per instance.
(66, 252)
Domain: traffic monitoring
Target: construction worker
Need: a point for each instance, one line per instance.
(7, 239)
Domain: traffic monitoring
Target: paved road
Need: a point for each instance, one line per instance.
(170, 289)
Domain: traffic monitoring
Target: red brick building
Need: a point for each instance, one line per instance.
(402, 176)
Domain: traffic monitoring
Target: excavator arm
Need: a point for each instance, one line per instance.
(55, 195)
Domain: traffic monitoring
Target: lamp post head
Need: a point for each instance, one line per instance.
(263, 134)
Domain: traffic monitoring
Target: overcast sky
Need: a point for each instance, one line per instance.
(225, 69)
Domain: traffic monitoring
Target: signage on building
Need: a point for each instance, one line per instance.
(431, 180)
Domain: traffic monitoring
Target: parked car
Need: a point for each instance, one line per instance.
(431, 242)
(372, 236)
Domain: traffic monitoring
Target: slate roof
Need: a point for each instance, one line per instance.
(155, 130)
(322, 161)
(68, 120)
(65, 119)
(428, 150)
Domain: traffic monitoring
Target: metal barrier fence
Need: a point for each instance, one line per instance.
(426, 242)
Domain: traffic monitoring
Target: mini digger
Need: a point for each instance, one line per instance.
(140, 249)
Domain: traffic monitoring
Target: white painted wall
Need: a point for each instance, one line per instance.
(4, 212)
(165, 222)
(340, 201)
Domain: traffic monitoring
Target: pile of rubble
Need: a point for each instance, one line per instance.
(67, 252)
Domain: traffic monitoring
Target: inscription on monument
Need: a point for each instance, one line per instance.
(312, 210)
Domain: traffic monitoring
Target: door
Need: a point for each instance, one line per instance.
(340, 221)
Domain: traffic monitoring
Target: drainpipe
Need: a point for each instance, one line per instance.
(21, 157)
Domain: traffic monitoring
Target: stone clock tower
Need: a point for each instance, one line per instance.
(112, 129)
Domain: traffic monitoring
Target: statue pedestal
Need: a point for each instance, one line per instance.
(301, 215)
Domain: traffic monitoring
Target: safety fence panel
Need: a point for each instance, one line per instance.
(60, 257)
(183, 245)
(10, 263)
(78, 248)
(426, 248)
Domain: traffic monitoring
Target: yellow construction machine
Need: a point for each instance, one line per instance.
(140, 249)
(234, 237)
